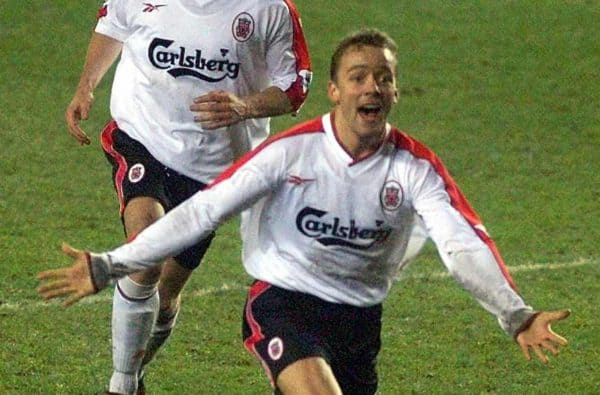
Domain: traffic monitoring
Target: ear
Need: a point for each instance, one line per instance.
(333, 92)
(396, 95)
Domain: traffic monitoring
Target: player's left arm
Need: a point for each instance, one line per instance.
(257, 174)
(473, 260)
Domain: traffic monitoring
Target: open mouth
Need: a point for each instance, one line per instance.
(369, 111)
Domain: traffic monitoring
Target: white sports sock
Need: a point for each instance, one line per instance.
(165, 322)
(135, 308)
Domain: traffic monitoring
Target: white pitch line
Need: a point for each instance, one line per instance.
(106, 297)
(512, 269)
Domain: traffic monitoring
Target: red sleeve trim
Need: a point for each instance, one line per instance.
(298, 91)
(457, 199)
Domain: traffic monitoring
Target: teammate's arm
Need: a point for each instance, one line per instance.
(218, 109)
(288, 64)
(101, 54)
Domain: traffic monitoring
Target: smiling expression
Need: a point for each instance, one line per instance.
(364, 91)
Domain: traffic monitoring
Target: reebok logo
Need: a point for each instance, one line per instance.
(152, 7)
(297, 180)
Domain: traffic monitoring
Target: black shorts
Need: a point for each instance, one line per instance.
(281, 327)
(137, 173)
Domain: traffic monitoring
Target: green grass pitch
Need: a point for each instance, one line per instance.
(506, 92)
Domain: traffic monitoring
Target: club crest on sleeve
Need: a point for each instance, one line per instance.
(136, 173)
(242, 27)
(391, 195)
(275, 348)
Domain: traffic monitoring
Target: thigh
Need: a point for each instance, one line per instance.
(275, 328)
(311, 375)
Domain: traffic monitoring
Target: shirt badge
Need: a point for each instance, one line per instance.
(391, 195)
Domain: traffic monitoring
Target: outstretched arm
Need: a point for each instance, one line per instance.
(182, 227)
(473, 260)
(102, 53)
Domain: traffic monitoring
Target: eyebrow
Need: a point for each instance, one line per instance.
(366, 66)
(358, 66)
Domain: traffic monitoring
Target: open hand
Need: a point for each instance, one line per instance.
(74, 282)
(539, 336)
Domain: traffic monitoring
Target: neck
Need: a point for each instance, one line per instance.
(356, 144)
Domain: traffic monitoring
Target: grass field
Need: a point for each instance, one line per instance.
(506, 92)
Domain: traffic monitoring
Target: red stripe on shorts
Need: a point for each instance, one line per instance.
(257, 289)
(106, 139)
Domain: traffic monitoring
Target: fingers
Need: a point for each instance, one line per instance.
(215, 115)
(78, 134)
(550, 347)
(540, 338)
(213, 96)
(558, 315)
(70, 251)
(558, 339)
(525, 350)
(55, 289)
(215, 123)
(55, 273)
(540, 354)
(72, 116)
(218, 109)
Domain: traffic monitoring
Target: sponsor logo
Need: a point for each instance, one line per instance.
(136, 173)
(152, 7)
(391, 196)
(328, 231)
(181, 62)
(242, 27)
(275, 348)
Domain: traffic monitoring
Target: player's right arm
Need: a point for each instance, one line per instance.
(101, 54)
(248, 180)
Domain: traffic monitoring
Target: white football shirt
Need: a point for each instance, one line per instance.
(176, 50)
(321, 223)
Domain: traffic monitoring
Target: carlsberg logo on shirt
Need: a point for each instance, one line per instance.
(189, 62)
(314, 223)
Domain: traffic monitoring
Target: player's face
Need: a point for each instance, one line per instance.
(364, 91)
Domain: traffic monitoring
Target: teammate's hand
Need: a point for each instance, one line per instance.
(539, 336)
(218, 109)
(75, 281)
(79, 109)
